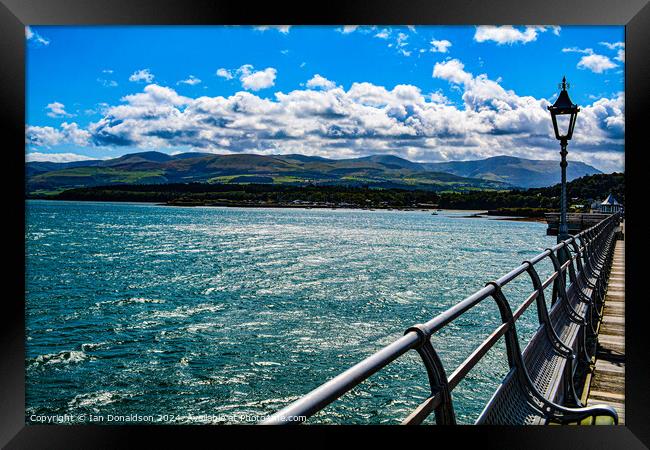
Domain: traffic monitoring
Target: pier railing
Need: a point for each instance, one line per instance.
(581, 268)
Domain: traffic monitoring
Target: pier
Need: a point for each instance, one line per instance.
(577, 222)
(578, 347)
(606, 383)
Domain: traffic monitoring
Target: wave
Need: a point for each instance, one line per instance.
(130, 301)
(266, 363)
(184, 311)
(96, 399)
(89, 347)
(64, 357)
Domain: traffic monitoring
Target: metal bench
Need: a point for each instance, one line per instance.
(539, 387)
(560, 343)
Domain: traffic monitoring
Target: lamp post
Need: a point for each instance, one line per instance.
(563, 115)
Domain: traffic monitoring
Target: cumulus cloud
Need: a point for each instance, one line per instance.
(34, 37)
(593, 61)
(318, 81)
(224, 73)
(142, 75)
(56, 157)
(347, 29)
(596, 63)
(620, 56)
(50, 137)
(284, 29)
(507, 34)
(256, 80)
(156, 95)
(452, 70)
(383, 34)
(191, 80)
(441, 46)
(56, 110)
(365, 118)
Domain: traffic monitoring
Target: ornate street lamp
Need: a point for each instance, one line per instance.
(563, 114)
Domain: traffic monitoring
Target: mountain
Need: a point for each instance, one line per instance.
(501, 172)
(518, 172)
(155, 167)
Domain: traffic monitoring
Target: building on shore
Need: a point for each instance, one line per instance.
(608, 206)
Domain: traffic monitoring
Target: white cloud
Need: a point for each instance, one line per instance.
(596, 63)
(366, 118)
(507, 34)
(142, 75)
(346, 29)
(49, 137)
(191, 80)
(56, 157)
(281, 28)
(619, 46)
(452, 70)
(397, 41)
(587, 51)
(402, 39)
(33, 36)
(383, 34)
(318, 81)
(57, 109)
(156, 95)
(256, 80)
(613, 45)
(593, 61)
(107, 83)
(224, 73)
(441, 46)
(620, 56)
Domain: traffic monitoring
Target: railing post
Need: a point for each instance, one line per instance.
(437, 377)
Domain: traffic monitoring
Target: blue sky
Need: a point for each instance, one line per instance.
(425, 93)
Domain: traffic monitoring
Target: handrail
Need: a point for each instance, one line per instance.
(418, 337)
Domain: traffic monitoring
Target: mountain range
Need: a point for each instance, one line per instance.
(520, 172)
(500, 172)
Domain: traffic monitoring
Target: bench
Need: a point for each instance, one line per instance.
(540, 389)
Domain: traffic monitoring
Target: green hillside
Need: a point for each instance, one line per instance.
(154, 167)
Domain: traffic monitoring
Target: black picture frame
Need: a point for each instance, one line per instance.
(15, 14)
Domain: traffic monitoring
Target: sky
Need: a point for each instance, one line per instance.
(425, 93)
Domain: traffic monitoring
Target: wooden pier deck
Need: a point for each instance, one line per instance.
(607, 384)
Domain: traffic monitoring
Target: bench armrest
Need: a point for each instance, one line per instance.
(570, 415)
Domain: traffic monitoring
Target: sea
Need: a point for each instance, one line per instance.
(205, 315)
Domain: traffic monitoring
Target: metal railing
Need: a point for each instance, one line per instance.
(418, 337)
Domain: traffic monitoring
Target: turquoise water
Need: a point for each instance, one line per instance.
(186, 312)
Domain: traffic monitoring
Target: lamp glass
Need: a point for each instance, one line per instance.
(563, 124)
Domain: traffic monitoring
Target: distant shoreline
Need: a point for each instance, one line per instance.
(477, 213)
